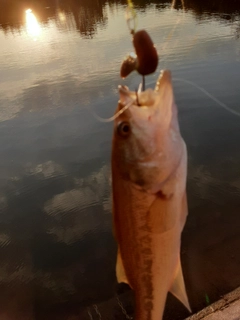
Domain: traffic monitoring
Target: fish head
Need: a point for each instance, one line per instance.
(146, 134)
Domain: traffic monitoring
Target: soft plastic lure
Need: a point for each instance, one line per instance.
(145, 59)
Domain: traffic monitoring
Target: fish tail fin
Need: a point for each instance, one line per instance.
(178, 288)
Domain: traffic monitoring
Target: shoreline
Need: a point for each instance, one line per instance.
(226, 308)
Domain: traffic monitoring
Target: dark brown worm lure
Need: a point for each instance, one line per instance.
(146, 60)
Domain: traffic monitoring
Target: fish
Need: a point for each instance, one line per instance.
(149, 171)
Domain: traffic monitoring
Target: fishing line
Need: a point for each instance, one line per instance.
(221, 104)
(166, 42)
(218, 102)
(115, 116)
(179, 22)
(131, 15)
(171, 32)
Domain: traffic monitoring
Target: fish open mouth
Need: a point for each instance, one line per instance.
(145, 97)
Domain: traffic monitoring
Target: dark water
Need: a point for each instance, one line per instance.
(58, 62)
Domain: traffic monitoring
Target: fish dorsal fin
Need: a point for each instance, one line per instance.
(178, 288)
(120, 271)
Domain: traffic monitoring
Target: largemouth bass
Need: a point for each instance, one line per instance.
(149, 168)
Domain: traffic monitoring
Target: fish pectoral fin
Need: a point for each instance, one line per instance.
(162, 216)
(120, 271)
(178, 288)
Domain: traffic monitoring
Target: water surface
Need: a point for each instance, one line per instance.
(59, 61)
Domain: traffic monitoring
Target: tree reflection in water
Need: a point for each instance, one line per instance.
(86, 15)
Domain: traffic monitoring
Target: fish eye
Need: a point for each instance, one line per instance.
(124, 129)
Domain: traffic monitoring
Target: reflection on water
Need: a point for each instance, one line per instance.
(87, 16)
(32, 25)
(56, 241)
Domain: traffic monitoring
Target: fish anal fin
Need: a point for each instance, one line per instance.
(178, 288)
(120, 271)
